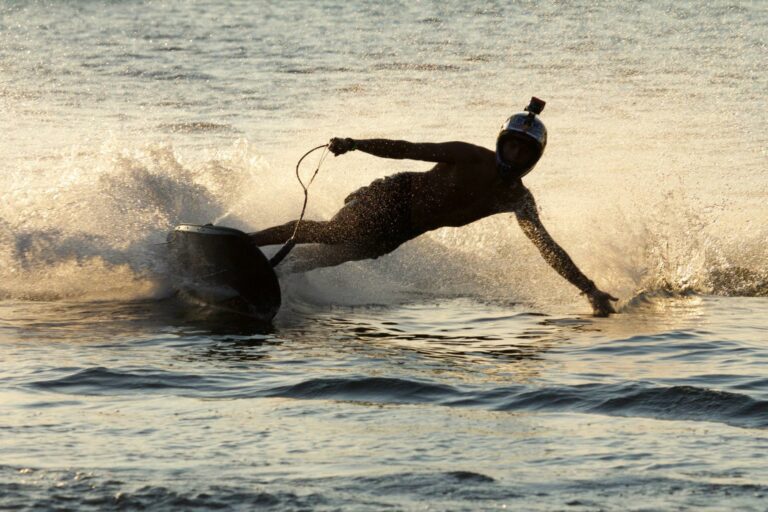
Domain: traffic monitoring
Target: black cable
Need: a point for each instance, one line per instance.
(306, 187)
(286, 248)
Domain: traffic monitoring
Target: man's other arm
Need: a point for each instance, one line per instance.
(528, 218)
(448, 152)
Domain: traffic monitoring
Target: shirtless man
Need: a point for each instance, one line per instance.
(467, 183)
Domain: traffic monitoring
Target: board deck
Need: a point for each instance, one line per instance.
(221, 267)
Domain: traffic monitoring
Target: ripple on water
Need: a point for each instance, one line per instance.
(103, 381)
(41, 489)
(689, 403)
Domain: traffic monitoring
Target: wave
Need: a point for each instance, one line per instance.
(633, 399)
(46, 488)
(688, 403)
(369, 389)
(102, 381)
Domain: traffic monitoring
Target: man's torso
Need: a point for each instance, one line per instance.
(450, 194)
(459, 194)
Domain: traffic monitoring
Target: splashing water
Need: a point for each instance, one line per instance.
(92, 225)
(84, 210)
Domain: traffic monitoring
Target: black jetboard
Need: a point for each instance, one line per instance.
(223, 268)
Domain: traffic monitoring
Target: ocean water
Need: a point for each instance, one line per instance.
(457, 373)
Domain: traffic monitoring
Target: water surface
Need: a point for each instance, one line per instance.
(457, 373)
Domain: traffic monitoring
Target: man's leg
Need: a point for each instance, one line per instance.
(308, 257)
(343, 228)
(346, 237)
(310, 232)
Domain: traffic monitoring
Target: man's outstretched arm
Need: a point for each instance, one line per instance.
(528, 218)
(449, 152)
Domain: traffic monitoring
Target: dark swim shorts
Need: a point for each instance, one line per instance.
(383, 212)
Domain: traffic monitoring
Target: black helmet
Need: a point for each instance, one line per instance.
(530, 132)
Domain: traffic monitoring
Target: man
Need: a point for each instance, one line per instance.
(467, 183)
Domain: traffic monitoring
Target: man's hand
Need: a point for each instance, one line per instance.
(601, 303)
(339, 146)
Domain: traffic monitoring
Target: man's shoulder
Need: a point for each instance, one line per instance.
(513, 196)
(481, 153)
(469, 152)
(476, 162)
